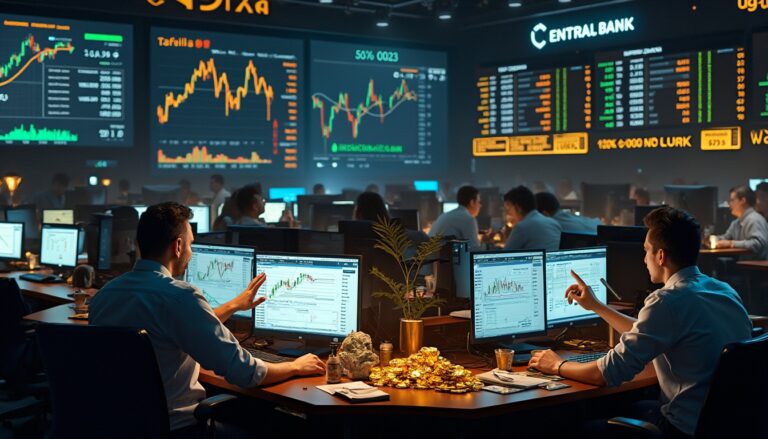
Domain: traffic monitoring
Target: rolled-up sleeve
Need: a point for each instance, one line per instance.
(200, 334)
(649, 337)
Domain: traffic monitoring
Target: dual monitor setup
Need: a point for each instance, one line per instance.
(58, 247)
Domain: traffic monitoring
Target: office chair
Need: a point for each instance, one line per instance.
(105, 382)
(737, 398)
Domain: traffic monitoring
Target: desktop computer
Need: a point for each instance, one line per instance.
(699, 201)
(26, 214)
(58, 216)
(59, 245)
(11, 243)
(591, 265)
(221, 272)
(508, 297)
(273, 211)
(201, 215)
(309, 297)
(98, 234)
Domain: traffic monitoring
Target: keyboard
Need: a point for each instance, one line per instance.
(267, 356)
(586, 357)
(40, 277)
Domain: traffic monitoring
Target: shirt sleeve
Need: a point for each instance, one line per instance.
(754, 234)
(201, 334)
(471, 233)
(731, 232)
(516, 239)
(651, 335)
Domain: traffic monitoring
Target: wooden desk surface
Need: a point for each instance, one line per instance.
(58, 314)
(54, 293)
(753, 265)
(302, 395)
(724, 251)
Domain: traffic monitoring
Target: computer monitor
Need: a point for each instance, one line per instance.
(426, 185)
(98, 234)
(83, 212)
(642, 211)
(201, 215)
(753, 182)
(26, 214)
(425, 202)
(320, 242)
(409, 218)
(508, 296)
(392, 191)
(287, 194)
(570, 240)
(308, 296)
(11, 241)
(699, 201)
(59, 243)
(221, 272)
(304, 210)
(268, 239)
(326, 217)
(273, 211)
(59, 216)
(449, 206)
(591, 265)
(605, 200)
(160, 193)
(626, 269)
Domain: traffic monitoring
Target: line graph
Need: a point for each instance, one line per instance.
(218, 268)
(288, 284)
(503, 286)
(33, 134)
(5, 247)
(206, 71)
(371, 102)
(40, 55)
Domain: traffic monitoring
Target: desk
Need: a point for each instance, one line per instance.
(757, 272)
(53, 293)
(58, 314)
(722, 252)
(753, 265)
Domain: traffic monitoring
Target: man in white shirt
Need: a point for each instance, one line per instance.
(185, 331)
(220, 194)
(461, 222)
(682, 327)
(749, 229)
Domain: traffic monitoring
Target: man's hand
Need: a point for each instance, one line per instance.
(309, 364)
(247, 299)
(545, 361)
(724, 243)
(581, 293)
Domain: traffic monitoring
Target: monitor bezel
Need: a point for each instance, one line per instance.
(311, 336)
(507, 337)
(21, 252)
(589, 320)
(77, 241)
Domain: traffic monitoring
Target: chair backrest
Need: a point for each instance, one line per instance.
(12, 309)
(738, 395)
(104, 382)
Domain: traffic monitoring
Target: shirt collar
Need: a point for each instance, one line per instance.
(745, 214)
(682, 274)
(150, 265)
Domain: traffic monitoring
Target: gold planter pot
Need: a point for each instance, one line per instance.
(411, 336)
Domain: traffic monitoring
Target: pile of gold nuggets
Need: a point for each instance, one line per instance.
(424, 370)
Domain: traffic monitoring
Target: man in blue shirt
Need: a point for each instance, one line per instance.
(750, 229)
(547, 204)
(531, 230)
(186, 333)
(682, 327)
(461, 222)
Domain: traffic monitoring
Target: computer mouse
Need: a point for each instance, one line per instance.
(532, 369)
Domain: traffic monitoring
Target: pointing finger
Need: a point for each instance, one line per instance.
(579, 280)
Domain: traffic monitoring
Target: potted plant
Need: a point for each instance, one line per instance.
(393, 240)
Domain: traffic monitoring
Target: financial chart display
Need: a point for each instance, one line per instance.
(65, 82)
(11, 240)
(377, 108)
(308, 294)
(508, 294)
(650, 87)
(221, 272)
(590, 264)
(225, 101)
(760, 76)
(59, 246)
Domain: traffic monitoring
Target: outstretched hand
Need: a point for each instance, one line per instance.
(247, 299)
(581, 293)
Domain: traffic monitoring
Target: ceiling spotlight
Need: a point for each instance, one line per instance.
(515, 3)
(444, 9)
(382, 17)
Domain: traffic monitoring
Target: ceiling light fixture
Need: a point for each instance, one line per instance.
(382, 17)
(514, 3)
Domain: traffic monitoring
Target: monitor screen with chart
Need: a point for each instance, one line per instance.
(58, 246)
(591, 265)
(221, 272)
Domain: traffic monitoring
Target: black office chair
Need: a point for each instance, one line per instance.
(738, 395)
(105, 382)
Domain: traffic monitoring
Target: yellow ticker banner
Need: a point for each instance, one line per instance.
(559, 144)
(721, 139)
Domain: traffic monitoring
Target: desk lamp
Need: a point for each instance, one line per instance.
(12, 182)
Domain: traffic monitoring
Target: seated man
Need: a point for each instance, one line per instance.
(250, 204)
(532, 230)
(761, 199)
(547, 204)
(682, 327)
(461, 222)
(749, 229)
(185, 331)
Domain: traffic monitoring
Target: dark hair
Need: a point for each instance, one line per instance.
(745, 192)
(547, 203)
(521, 197)
(675, 231)
(466, 194)
(762, 187)
(317, 188)
(61, 179)
(370, 207)
(159, 226)
(245, 196)
(218, 178)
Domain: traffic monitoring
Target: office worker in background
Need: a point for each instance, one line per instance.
(369, 206)
(682, 327)
(55, 197)
(548, 205)
(642, 197)
(749, 229)
(220, 194)
(531, 230)
(318, 189)
(460, 222)
(188, 197)
(185, 331)
(251, 206)
(761, 199)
